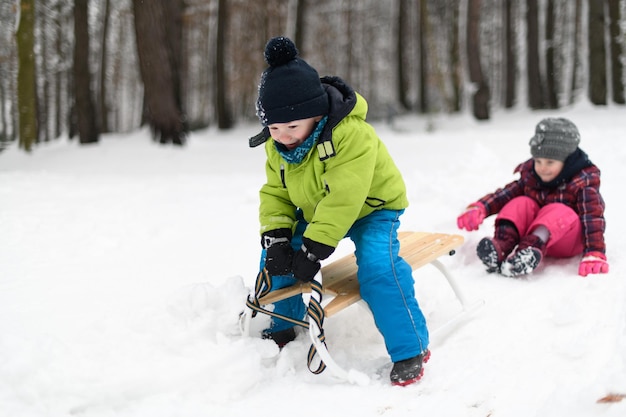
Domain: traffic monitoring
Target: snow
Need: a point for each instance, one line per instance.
(124, 266)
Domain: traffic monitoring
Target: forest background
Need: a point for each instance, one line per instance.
(83, 68)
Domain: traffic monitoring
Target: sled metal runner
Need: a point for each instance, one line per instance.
(339, 281)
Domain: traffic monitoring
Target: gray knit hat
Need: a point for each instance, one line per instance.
(555, 138)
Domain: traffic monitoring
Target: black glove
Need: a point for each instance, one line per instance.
(278, 251)
(306, 261)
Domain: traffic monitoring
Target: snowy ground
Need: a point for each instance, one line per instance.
(124, 266)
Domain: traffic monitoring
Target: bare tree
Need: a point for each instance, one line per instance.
(456, 65)
(158, 36)
(401, 37)
(480, 95)
(3, 116)
(7, 65)
(300, 14)
(535, 84)
(617, 63)
(423, 57)
(26, 86)
(597, 53)
(510, 61)
(551, 100)
(574, 50)
(198, 67)
(42, 77)
(126, 90)
(85, 108)
(102, 96)
(223, 115)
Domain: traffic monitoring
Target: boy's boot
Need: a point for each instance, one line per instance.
(409, 370)
(524, 260)
(493, 251)
(281, 337)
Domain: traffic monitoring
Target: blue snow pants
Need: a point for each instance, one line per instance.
(385, 279)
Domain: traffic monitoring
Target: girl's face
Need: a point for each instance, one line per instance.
(548, 169)
(292, 134)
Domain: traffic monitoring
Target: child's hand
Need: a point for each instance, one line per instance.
(278, 251)
(306, 261)
(593, 263)
(472, 217)
(305, 267)
(278, 259)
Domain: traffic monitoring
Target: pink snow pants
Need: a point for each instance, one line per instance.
(566, 237)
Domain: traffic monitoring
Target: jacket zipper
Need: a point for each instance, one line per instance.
(282, 175)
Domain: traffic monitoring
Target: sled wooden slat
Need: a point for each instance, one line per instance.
(339, 278)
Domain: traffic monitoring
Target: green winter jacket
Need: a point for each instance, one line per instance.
(333, 193)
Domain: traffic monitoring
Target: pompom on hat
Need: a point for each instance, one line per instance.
(290, 89)
(555, 138)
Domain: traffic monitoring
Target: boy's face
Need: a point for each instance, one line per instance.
(292, 134)
(548, 169)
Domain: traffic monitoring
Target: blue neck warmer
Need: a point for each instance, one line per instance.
(296, 155)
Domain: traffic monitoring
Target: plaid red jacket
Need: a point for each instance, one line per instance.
(581, 193)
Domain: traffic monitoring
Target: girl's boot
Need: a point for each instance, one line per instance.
(526, 258)
(493, 251)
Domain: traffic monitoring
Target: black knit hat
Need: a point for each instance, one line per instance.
(555, 138)
(290, 89)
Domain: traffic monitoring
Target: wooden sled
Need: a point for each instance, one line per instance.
(339, 281)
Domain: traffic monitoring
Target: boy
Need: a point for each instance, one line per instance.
(329, 176)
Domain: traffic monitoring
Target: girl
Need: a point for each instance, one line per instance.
(553, 209)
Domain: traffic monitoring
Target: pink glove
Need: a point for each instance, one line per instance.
(472, 217)
(593, 263)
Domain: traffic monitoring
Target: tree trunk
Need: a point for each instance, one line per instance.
(300, 20)
(510, 63)
(402, 35)
(551, 76)
(617, 66)
(480, 97)
(221, 105)
(574, 51)
(535, 85)
(102, 96)
(85, 108)
(456, 65)
(43, 82)
(597, 53)
(26, 88)
(157, 31)
(60, 74)
(4, 137)
(423, 57)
